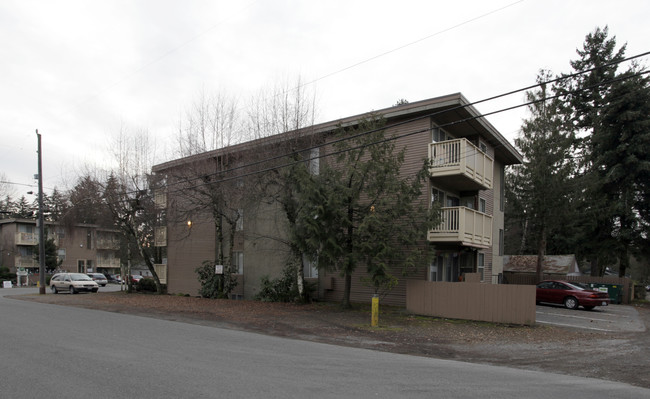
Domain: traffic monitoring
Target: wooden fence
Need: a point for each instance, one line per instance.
(498, 303)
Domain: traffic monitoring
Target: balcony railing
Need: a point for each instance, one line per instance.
(460, 158)
(108, 243)
(463, 226)
(160, 236)
(26, 238)
(26, 261)
(108, 262)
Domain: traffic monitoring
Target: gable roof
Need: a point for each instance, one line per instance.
(453, 109)
(553, 264)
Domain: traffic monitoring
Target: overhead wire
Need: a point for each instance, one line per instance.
(408, 121)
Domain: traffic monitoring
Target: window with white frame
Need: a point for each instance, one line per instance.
(310, 268)
(437, 196)
(480, 267)
(60, 254)
(240, 220)
(314, 161)
(482, 146)
(238, 262)
(500, 242)
(482, 205)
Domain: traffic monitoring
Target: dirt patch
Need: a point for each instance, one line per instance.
(623, 357)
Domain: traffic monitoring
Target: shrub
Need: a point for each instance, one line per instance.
(281, 289)
(146, 285)
(215, 285)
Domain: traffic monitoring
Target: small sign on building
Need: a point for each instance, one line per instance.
(218, 269)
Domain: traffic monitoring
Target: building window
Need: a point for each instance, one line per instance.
(482, 146)
(310, 268)
(500, 242)
(240, 220)
(502, 190)
(480, 267)
(60, 253)
(437, 196)
(89, 240)
(314, 161)
(481, 205)
(238, 262)
(435, 269)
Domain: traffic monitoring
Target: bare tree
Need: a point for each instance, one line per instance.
(127, 194)
(211, 122)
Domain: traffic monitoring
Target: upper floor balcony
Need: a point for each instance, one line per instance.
(108, 242)
(26, 238)
(463, 226)
(160, 236)
(26, 261)
(112, 263)
(461, 165)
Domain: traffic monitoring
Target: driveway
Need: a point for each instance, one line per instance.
(612, 318)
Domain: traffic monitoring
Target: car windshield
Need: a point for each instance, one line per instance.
(79, 277)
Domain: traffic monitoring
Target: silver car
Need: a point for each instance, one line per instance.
(98, 278)
(73, 283)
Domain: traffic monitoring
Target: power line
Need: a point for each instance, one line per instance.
(428, 115)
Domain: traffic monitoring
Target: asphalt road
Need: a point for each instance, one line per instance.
(56, 351)
(612, 318)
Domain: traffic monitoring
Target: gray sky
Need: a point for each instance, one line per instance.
(78, 70)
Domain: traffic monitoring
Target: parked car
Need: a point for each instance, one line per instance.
(99, 278)
(570, 294)
(73, 283)
(135, 278)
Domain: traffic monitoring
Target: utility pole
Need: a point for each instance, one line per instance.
(41, 222)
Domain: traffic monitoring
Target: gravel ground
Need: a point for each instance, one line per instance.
(623, 357)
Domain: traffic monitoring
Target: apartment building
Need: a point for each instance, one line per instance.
(81, 248)
(467, 155)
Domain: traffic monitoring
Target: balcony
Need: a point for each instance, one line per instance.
(26, 238)
(463, 226)
(109, 263)
(160, 236)
(461, 165)
(108, 243)
(26, 261)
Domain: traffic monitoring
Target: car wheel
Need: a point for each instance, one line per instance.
(72, 290)
(589, 307)
(570, 302)
(54, 290)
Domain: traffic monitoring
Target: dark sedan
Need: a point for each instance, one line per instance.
(570, 294)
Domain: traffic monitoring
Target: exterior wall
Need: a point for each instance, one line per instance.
(190, 246)
(499, 220)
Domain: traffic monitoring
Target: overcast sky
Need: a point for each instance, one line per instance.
(78, 70)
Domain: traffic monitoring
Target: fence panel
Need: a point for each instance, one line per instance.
(513, 304)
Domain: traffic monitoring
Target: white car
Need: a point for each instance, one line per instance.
(73, 283)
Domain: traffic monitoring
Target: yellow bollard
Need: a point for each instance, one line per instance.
(375, 311)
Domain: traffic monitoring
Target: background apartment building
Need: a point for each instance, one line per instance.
(80, 248)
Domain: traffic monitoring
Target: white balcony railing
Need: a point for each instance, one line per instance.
(461, 158)
(26, 238)
(160, 236)
(464, 226)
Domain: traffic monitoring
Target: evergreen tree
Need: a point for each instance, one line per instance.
(543, 179)
(360, 210)
(621, 160)
(610, 110)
